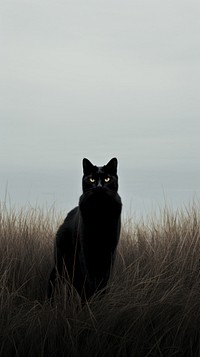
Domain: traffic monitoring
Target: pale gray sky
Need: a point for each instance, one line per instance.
(99, 79)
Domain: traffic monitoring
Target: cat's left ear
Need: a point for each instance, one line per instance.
(87, 167)
(112, 166)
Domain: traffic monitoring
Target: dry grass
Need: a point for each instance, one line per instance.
(151, 308)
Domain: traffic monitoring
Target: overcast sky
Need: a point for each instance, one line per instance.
(99, 79)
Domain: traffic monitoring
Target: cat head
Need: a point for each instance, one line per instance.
(100, 177)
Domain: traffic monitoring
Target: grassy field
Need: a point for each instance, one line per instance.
(151, 307)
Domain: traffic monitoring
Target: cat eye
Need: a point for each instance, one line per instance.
(92, 180)
(107, 179)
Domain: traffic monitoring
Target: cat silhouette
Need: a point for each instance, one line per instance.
(85, 244)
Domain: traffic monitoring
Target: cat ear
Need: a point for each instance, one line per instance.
(87, 167)
(112, 166)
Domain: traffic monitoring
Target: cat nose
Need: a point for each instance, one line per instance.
(99, 184)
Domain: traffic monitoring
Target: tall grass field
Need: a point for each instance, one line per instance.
(151, 306)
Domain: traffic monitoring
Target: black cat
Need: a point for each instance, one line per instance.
(86, 242)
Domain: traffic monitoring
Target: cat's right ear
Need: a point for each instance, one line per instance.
(87, 167)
